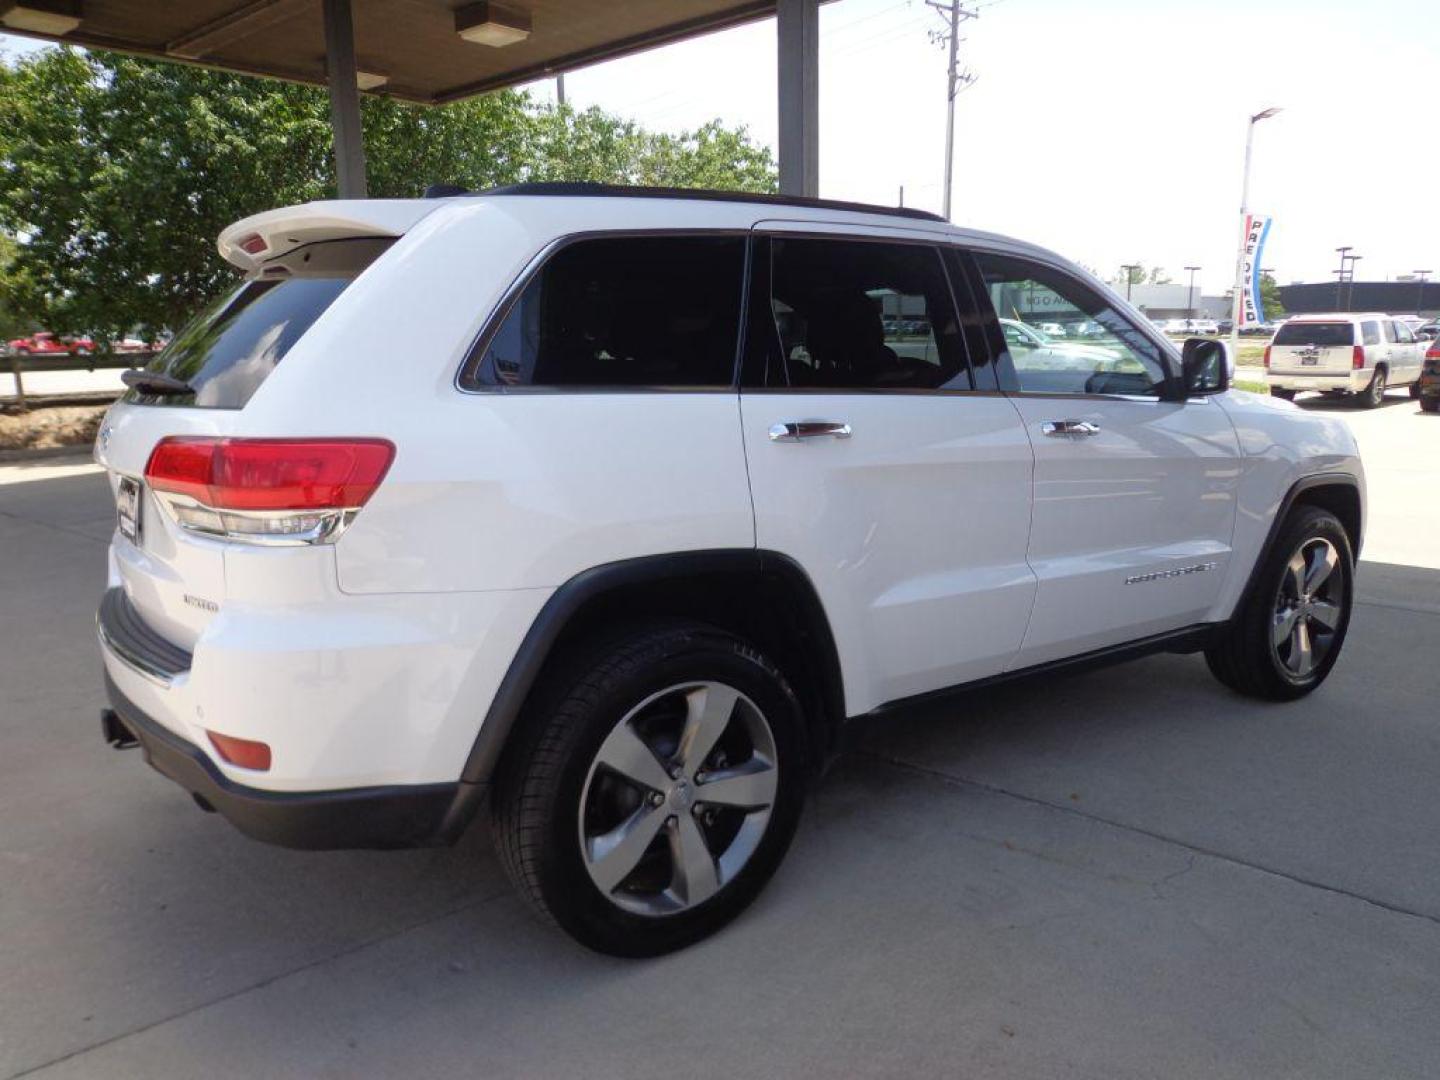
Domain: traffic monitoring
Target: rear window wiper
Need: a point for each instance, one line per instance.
(155, 382)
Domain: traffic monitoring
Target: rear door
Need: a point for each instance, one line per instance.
(877, 464)
(1134, 492)
(174, 578)
(1314, 347)
(1405, 355)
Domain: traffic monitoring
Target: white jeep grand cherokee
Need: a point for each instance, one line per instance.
(602, 510)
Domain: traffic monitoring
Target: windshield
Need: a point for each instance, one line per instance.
(229, 349)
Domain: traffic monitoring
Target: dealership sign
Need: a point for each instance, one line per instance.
(1257, 229)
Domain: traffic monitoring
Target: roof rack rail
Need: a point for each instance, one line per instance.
(589, 189)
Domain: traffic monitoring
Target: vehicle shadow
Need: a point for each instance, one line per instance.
(1323, 403)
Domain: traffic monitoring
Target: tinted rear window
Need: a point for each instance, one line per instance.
(227, 351)
(651, 311)
(1315, 333)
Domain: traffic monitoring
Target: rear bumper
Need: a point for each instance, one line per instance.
(380, 817)
(1351, 382)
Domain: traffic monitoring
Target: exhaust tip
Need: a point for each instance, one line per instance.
(115, 731)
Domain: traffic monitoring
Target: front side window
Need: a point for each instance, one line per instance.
(1035, 303)
(1403, 334)
(633, 311)
(854, 315)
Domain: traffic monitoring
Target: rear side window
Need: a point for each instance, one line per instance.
(229, 349)
(854, 315)
(1315, 333)
(1371, 331)
(635, 311)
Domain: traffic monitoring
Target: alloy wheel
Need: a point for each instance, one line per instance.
(1309, 608)
(678, 798)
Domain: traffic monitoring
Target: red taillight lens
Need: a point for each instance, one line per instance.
(1267, 356)
(270, 474)
(1433, 353)
(253, 244)
(1357, 358)
(245, 753)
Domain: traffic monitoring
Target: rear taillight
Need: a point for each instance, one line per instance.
(1433, 353)
(267, 491)
(1267, 356)
(1357, 357)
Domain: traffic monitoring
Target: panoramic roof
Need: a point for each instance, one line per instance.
(414, 46)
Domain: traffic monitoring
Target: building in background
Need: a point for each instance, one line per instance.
(1172, 301)
(1396, 297)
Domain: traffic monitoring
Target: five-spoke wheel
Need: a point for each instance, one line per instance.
(678, 797)
(1308, 607)
(657, 782)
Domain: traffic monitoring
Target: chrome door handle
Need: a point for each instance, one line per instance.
(795, 430)
(1060, 429)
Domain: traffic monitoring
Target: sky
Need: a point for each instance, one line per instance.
(1111, 131)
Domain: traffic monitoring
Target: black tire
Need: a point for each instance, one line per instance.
(1281, 392)
(1242, 655)
(1374, 395)
(1430, 404)
(545, 775)
(1415, 389)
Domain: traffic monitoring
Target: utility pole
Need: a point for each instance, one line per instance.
(1190, 298)
(1346, 277)
(1129, 269)
(560, 90)
(1420, 276)
(953, 14)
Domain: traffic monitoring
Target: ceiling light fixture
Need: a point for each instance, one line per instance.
(54, 18)
(489, 24)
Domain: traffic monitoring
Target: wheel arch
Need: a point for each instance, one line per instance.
(763, 596)
(1339, 493)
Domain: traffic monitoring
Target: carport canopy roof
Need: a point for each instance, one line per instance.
(413, 45)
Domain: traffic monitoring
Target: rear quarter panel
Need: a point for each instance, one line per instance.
(497, 490)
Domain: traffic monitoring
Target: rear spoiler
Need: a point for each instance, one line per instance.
(260, 237)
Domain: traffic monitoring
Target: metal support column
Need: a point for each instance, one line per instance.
(797, 25)
(344, 100)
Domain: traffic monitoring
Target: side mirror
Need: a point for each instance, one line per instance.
(1205, 366)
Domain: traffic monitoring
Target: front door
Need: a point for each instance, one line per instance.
(1134, 494)
(904, 493)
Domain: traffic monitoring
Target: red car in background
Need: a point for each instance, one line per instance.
(44, 343)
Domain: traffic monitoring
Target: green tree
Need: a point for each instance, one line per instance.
(1270, 298)
(12, 324)
(116, 174)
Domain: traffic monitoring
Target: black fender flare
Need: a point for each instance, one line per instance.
(1287, 503)
(574, 595)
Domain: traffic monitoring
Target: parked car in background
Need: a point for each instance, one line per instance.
(1053, 329)
(1360, 354)
(1429, 331)
(573, 567)
(126, 346)
(1429, 384)
(1174, 326)
(1204, 326)
(44, 343)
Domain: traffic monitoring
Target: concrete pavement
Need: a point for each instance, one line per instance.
(1130, 873)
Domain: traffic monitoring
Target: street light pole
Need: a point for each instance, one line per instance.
(1129, 269)
(1190, 297)
(1237, 300)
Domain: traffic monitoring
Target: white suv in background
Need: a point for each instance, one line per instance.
(601, 511)
(1361, 354)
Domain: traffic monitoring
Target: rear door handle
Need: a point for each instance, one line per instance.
(1060, 429)
(795, 430)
